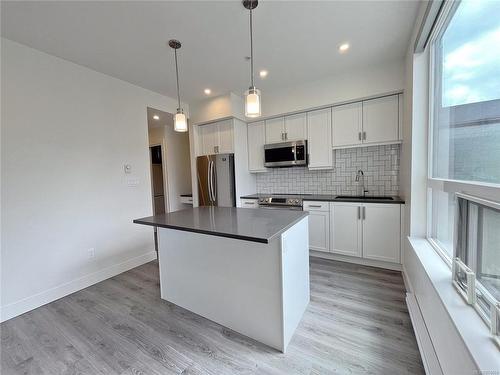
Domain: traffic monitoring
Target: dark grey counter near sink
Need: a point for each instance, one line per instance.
(335, 198)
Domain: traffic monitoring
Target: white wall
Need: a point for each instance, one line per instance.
(345, 86)
(67, 132)
(217, 108)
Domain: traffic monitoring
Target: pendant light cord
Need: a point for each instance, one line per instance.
(251, 49)
(177, 75)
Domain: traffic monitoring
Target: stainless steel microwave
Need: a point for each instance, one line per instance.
(285, 154)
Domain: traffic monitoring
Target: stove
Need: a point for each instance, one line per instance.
(283, 202)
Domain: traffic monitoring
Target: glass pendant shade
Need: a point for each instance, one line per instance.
(252, 102)
(180, 121)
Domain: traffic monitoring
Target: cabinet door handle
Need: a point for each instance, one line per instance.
(286, 136)
(364, 136)
(364, 212)
(314, 206)
(359, 136)
(359, 213)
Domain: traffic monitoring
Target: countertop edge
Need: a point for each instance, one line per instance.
(288, 226)
(207, 232)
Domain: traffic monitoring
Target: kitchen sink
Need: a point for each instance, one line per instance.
(371, 197)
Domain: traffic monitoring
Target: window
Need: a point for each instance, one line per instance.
(466, 94)
(464, 148)
(478, 247)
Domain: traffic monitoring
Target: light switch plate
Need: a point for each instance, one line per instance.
(132, 182)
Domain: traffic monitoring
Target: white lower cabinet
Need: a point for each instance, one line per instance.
(319, 225)
(345, 229)
(381, 232)
(363, 230)
(367, 230)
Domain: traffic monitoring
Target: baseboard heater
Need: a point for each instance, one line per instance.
(427, 352)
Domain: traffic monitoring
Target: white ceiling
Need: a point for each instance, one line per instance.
(296, 41)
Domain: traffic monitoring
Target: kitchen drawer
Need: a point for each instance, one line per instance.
(249, 203)
(187, 200)
(316, 206)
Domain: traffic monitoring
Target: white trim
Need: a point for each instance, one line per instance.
(469, 325)
(395, 142)
(356, 260)
(440, 251)
(424, 342)
(32, 302)
(484, 202)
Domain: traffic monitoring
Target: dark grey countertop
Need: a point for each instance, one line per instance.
(239, 223)
(328, 198)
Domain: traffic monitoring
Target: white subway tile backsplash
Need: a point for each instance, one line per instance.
(380, 165)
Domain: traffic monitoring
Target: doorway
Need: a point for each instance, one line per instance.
(157, 184)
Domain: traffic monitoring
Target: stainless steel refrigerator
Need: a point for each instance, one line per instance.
(216, 180)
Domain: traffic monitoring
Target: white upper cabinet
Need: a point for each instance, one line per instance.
(256, 140)
(289, 128)
(216, 138)
(275, 130)
(382, 232)
(381, 120)
(225, 137)
(319, 142)
(208, 139)
(295, 127)
(347, 125)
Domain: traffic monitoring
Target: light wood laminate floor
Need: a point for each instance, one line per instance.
(357, 323)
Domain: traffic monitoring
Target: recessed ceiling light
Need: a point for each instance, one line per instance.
(156, 117)
(344, 47)
(263, 73)
(207, 91)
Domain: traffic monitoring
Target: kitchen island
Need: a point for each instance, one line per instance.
(245, 269)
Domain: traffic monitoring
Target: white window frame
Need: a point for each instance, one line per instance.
(478, 189)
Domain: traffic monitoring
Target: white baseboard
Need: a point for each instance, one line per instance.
(355, 260)
(406, 281)
(27, 304)
(427, 351)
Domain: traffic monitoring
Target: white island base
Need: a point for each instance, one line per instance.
(260, 290)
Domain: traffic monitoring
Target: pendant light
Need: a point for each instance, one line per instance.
(252, 95)
(180, 121)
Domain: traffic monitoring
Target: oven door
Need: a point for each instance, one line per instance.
(286, 154)
(276, 207)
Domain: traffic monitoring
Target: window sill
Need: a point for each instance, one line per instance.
(474, 332)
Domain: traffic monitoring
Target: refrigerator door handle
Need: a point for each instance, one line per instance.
(214, 184)
(212, 187)
(209, 181)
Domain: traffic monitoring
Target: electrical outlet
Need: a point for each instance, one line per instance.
(91, 253)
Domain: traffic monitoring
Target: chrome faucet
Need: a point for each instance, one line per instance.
(361, 187)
